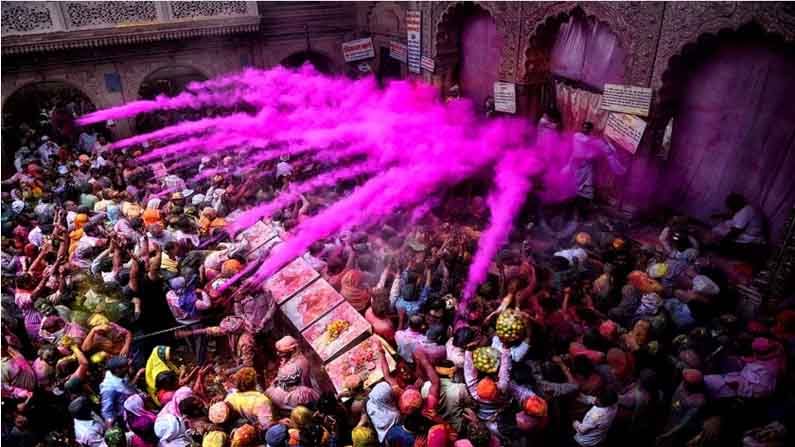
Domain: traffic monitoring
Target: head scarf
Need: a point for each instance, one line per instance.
(230, 267)
(352, 290)
(17, 206)
(487, 389)
(135, 406)
(115, 437)
(620, 363)
(438, 436)
(80, 220)
(218, 412)
(158, 362)
(151, 216)
(287, 344)
(276, 436)
(172, 407)
(410, 401)
(535, 406)
(608, 329)
(214, 439)
(243, 436)
(381, 409)
(301, 416)
(692, 376)
(113, 212)
(364, 437)
(704, 285)
(649, 304)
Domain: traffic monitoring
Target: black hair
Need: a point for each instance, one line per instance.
(166, 380)
(311, 435)
(522, 374)
(607, 398)
(192, 407)
(416, 322)
(414, 422)
(735, 201)
(463, 336)
(581, 365)
(80, 408)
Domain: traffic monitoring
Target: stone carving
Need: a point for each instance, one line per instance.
(190, 10)
(635, 23)
(26, 17)
(97, 14)
(686, 22)
(387, 18)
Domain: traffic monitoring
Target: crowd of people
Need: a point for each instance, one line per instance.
(120, 327)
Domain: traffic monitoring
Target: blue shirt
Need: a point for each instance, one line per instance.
(113, 391)
(397, 436)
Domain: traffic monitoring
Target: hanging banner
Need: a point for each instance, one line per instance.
(413, 26)
(428, 64)
(359, 49)
(625, 130)
(505, 97)
(398, 51)
(627, 99)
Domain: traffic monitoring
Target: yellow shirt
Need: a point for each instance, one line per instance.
(252, 405)
(167, 263)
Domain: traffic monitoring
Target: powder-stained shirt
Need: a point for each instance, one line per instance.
(594, 426)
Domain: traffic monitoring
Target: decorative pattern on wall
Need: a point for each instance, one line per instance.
(26, 17)
(686, 22)
(98, 14)
(192, 10)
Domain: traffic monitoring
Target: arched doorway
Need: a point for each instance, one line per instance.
(320, 61)
(38, 109)
(169, 81)
(468, 49)
(570, 58)
(730, 97)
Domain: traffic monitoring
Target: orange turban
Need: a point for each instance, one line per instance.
(151, 216)
(230, 267)
(80, 220)
(535, 406)
(243, 436)
(487, 389)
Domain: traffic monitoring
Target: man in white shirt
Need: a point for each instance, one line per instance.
(743, 234)
(592, 431)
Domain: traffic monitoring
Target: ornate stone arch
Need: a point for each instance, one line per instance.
(676, 71)
(635, 24)
(176, 64)
(57, 79)
(387, 9)
(693, 21)
(447, 10)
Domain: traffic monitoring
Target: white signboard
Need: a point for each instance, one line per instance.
(398, 51)
(428, 64)
(359, 49)
(625, 130)
(413, 26)
(627, 99)
(505, 97)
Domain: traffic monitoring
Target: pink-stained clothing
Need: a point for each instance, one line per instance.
(292, 386)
